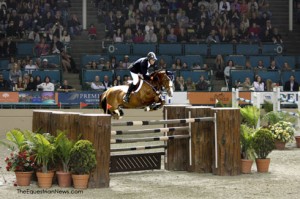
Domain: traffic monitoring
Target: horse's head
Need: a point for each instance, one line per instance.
(164, 81)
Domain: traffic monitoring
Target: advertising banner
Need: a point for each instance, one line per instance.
(37, 97)
(75, 98)
(9, 97)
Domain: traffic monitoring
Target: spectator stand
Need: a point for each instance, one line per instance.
(88, 76)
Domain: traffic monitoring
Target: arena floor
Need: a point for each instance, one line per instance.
(283, 180)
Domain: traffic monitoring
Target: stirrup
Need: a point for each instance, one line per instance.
(126, 99)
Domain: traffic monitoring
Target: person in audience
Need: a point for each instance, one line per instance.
(30, 66)
(213, 37)
(190, 85)
(270, 85)
(118, 36)
(202, 84)
(291, 85)
(14, 74)
(42, 48)
(117, 81)
(20, 85)
(180, 84)
(171, 37)
(246, 85)
(74, 25)
(31, 86)
(273, 65)
(230, 66)
(4, 84)
(219, 67)
(106, 82)
(56, 46)
(47, 85)
(97, 84)
(258, 84)
(65, 87)
(92, 32)
(47, 65)
(286, 67)
(150, 37)
(260, 65)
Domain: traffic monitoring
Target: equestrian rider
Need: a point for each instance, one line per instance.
(140, 68)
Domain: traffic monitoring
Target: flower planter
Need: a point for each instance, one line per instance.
(262, 165)
(23, 178)
(246, 166)
(279, 145)
(80, 181)
(297, 138)
(64, 178)
(45, 179)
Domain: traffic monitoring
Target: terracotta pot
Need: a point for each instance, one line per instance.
(64, 179)
(246, 166)
(279, 145)
(80, 181)
(45, 179)
(262, 165)
(23, 178)
(297, 138)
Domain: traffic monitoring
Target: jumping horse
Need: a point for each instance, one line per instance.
(147, 95)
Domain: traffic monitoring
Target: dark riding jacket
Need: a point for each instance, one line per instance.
(141, 67)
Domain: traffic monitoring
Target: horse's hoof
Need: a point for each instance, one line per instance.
(147, 108)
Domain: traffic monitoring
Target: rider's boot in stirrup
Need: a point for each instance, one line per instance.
(127, 96)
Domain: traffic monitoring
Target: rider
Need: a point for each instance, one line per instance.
(140, 68)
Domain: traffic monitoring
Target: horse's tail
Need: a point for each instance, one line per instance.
(103, 102)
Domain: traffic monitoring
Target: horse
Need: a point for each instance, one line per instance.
(148, 95)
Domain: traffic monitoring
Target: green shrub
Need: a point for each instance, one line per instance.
(83, 157)
(263, 143)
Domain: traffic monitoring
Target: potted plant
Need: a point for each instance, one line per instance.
(44, 150)
(23, 164)
(250, 117)
(283, 132)
(263, 145)
(82, 162)
(246, 148)
(21, 160)
(63, 147)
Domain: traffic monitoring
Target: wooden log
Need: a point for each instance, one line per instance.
(228, 142)
(177, 153)
(41, 121)
(67, 122)
(96, 128)
(202, 140)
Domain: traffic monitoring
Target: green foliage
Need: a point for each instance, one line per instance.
(263, 143)
(274, 117)
(246, 142)
(17, 139)
(268, 106)
(83, 157)
(44, 151)
(250, 116)
(63, 148)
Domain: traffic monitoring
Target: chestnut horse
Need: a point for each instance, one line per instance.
(148, 95)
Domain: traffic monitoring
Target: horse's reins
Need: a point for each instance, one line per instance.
(153, 88)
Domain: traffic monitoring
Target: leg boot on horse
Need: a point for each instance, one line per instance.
(127, 96)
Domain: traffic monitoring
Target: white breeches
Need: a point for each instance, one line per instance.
(135, 78)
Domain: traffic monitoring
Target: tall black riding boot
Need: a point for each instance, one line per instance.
(127, 96)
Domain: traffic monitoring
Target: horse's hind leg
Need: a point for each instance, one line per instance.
(116, 114)
(121, 111)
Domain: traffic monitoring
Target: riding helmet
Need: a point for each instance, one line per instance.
(151, 55)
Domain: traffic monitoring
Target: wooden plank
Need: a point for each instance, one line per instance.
(228, 142)
(177, 150)
(202, 140)
(41, 120)
(96, 128)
